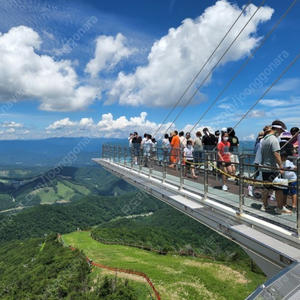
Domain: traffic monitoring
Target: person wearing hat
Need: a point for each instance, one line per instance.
(188, 138)
(270, 158)
(286, 143)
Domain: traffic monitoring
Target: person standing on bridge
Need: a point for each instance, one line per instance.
(175, 149)
(272, 166)
(136, 142)
(224, 159)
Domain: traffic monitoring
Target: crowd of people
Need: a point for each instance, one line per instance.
(273, 146)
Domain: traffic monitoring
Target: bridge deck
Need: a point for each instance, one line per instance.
(272, 240)
(252, 205)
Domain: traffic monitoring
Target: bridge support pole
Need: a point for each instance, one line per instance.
(115, 153)
(241, 183)
(205, 174)
(119, 154)
(125, 156)
(110, 153)
(181, 166)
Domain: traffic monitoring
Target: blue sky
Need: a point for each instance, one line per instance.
(107, 68)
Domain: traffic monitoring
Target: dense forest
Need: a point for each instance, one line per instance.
(83, 214)
(44, 269)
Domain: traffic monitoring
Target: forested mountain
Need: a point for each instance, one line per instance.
(84, 213)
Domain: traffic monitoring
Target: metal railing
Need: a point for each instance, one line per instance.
(157, 164)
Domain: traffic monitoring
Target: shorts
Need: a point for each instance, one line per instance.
(292, 189)
(189, 163)
(227, 164)
(269, 177)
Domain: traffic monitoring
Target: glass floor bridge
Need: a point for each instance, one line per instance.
(272, 240)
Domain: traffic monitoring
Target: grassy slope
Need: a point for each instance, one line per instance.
(175, 277)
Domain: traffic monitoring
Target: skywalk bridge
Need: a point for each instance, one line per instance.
(271, 240)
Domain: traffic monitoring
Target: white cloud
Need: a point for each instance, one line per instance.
(110, 127)
(251, 137)
(274, 102)
(12, 125)
(176, 58)
(24, 74)
(109, 52)
(256, 114)
(288, 84)
(62, 124)
(10, 130)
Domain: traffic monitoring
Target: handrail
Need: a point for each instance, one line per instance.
(206, 159)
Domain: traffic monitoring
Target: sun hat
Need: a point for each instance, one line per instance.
(286, 135)
(278, 124)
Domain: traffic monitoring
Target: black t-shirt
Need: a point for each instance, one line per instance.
(208, 139)
(288, 147)
(234, 142)
(137, 139)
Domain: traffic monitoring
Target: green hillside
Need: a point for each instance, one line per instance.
(43, 269)
(175, 277)
(29, 187)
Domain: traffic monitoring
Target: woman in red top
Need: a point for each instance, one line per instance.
(224, 159)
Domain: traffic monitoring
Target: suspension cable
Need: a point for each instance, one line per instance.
(245, 63)
(197, 75)
(216, 64)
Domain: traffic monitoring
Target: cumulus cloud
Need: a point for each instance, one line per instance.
(62, 124)
(24, 74)
(176, 58)
(109, 52)
(110, 127)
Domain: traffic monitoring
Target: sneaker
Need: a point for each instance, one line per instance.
(231, 179)
(294, 210)
(135, 163)
(283, 210)
(224, 187)
(267, 208)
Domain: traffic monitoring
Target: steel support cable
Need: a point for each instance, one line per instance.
(245, 63)
(242, 12)
(213, 68)
(268, 89)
